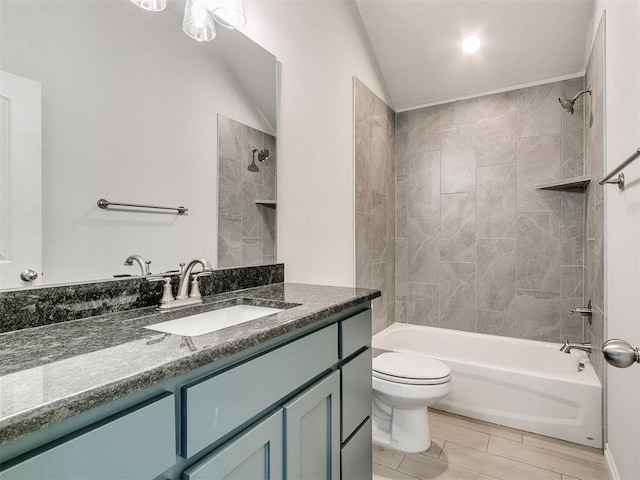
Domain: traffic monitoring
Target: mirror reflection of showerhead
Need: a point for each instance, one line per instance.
(567, 104)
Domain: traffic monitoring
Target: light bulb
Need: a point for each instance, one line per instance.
(471, 44)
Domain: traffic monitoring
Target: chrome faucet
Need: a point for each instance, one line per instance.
(185, 277)
(568, 346)
(144, 265)
(184, 297)
(584, 311)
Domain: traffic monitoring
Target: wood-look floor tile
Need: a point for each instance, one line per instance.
(436, 447)
(387, 457)
(459, 435)
(427, 468)
(573, 449)
(567, 477)
(384, 473)
(548, 459)
(477, 425)
(494, 465)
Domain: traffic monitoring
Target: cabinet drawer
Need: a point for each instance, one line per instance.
(355, 333)
(215, 407)
(256, 454)
(356, 392)
(356, 455)
(139, 444)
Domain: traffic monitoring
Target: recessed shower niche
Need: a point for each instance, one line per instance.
(246, 195)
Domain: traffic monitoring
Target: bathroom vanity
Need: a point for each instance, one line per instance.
(285, 395)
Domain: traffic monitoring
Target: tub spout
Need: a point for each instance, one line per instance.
(568, 346)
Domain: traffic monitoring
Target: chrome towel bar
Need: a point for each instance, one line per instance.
(104, 204)
(620, 180)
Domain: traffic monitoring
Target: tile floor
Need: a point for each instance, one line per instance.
(463, 448)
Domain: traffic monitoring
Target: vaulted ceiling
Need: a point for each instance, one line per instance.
(418, 44)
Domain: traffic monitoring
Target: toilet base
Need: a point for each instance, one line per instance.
(409, 431)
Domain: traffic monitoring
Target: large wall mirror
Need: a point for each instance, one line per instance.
(101, 99)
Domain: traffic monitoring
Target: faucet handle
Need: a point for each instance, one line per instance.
(167, 294)
(564, 345)
(195, 286)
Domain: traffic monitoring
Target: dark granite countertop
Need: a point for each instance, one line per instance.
(56, 371)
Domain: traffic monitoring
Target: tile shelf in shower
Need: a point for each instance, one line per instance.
(573, 183)
(266, 203)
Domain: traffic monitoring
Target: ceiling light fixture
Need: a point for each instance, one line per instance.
(471, 44)
(199, 15)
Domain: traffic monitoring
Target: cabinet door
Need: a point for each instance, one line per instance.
(356, 392)
(256, 454)
(312, 426)
(356, 455)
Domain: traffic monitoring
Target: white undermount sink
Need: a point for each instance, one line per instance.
(208, 322)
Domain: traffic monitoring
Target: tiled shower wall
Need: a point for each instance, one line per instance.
(594, 165)
(374, 200)
(246, 230)
(478, 248)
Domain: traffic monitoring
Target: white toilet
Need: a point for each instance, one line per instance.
(404, 385)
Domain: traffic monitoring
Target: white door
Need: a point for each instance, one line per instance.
(20, 181)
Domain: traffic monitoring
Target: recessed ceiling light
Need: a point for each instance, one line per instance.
(471, 44)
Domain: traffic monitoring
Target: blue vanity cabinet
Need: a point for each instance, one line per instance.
(257, 454)
(138, 444)
(312, 426)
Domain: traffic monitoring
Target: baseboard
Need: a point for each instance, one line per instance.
(613, 470)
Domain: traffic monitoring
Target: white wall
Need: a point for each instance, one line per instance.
(129, 114)
(321, 45)
(622, 226)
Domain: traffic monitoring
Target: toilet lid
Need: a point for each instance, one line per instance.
(410, 368)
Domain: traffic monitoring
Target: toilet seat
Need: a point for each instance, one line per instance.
(410, 369)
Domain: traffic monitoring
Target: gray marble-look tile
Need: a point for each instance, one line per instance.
(423, 305)
(424, 249)
(423, 127)
(597, 340)
(572, 218)
(573, 131)
(461, 111)
(572, 297)
(402, 268)
(364, 245)
(496, 129)
(251, 218)
(362, 173)
(379, 227)
(268, 230)
(363, 103)
(389, 294)
(269, 168)
(538, 252)
(401, 208)
(252, 249)
(496, 199)
(401, 311)
(458, 296)
(496, 277)
(229, 138)
(458, 227)
(538, 110)
(229, 187)
(539, 316)
(379, 164)
(390, 206)
(496, 323)
(538, 162)
(423, 184)
(589, 270)
(458, 159)
(379, 281)
(401, 154)
(229, 242)
(598, 263)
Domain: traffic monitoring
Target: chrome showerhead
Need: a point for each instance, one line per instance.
(568, 104)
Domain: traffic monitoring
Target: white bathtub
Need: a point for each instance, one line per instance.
(523, 384)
